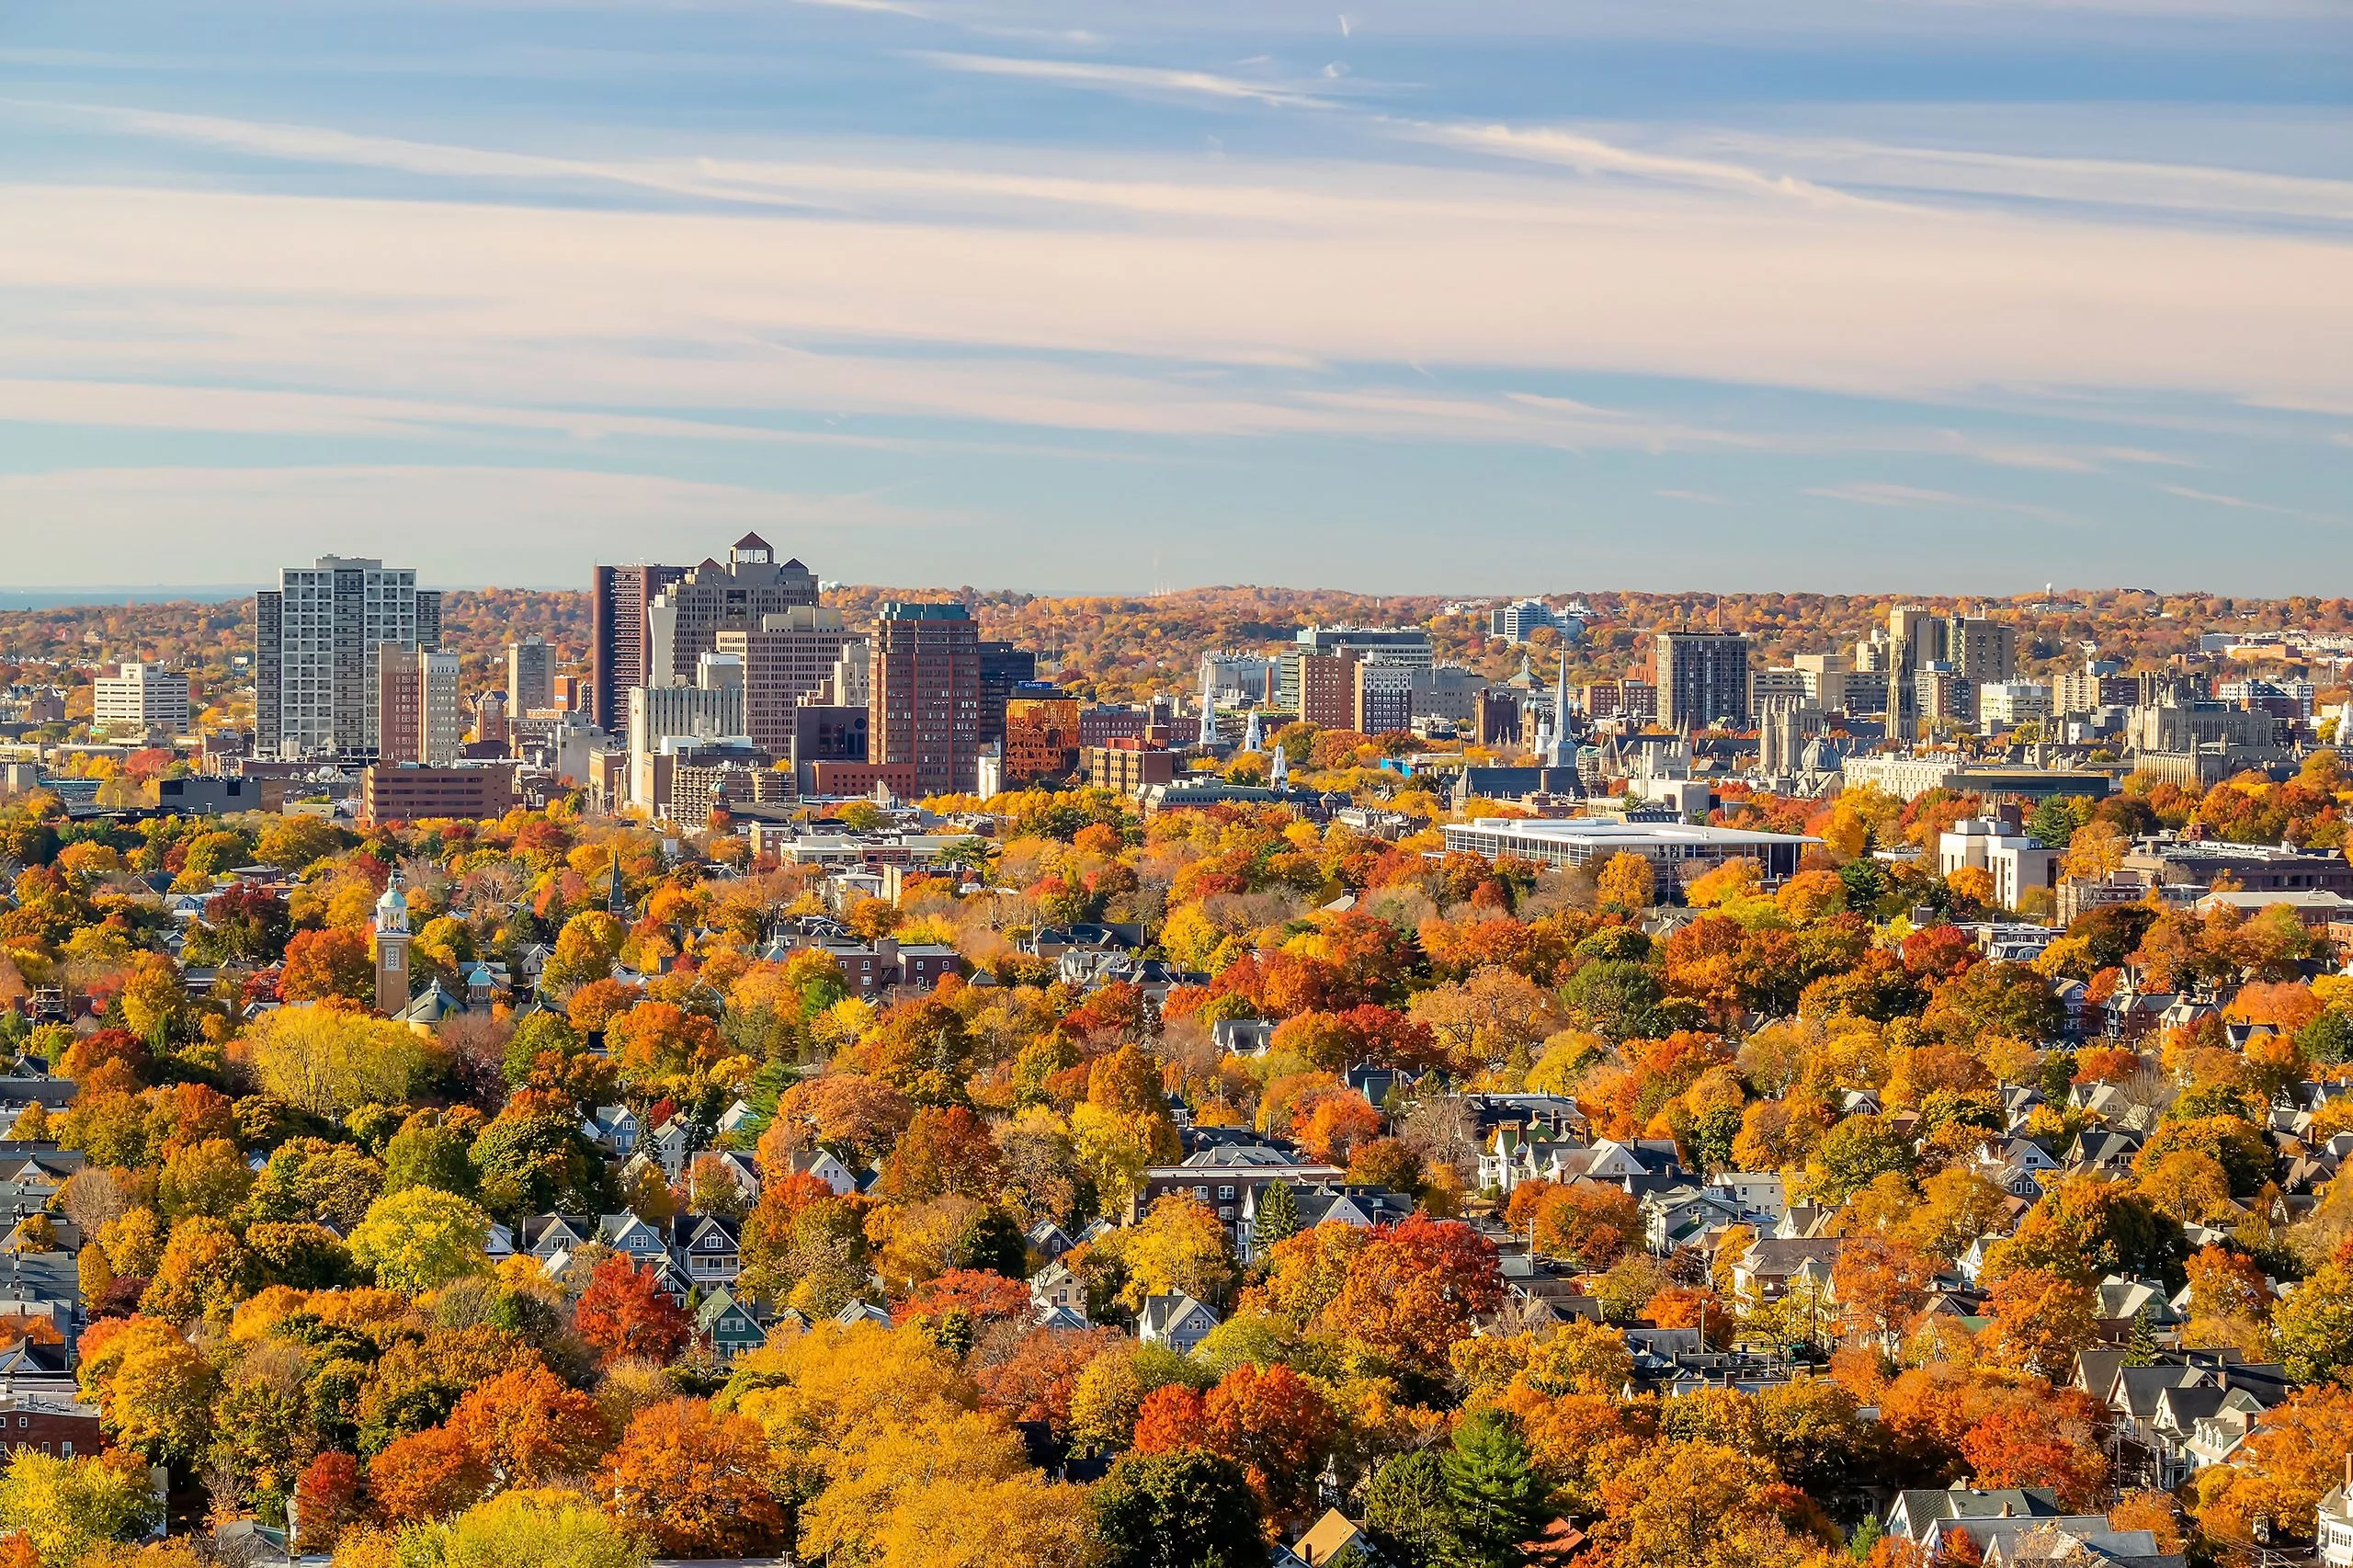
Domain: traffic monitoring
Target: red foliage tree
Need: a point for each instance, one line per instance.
(1171, 1417)
(326, 1498)
(981, 1296)
(942, 1151)
(624, 1313)
(1414, 1289)
(1277, 1426)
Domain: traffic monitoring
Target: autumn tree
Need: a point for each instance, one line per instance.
(700, 1481)
(526, 1427)
(624, 1314)
(420, 1239)
(66, 1508)
(2040, 1322)
(334, 964)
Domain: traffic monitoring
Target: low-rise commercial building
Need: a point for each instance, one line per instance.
(1128, 766)
(1678, 850)
(406, 793)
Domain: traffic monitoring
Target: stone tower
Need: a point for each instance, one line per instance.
(392, 949)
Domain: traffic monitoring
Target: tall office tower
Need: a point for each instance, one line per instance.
(1382, 645)
(788, 659)
(417, 716)
(1702, 678)
(1983, 653)
(316, 637)
(925, 707)
(1003, 667)
(685, 621)
(1916, 639)
(619, 648)
(1381, 697)
(530, 675)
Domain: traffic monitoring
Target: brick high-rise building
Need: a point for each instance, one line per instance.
(1381, 697)
(619, 648)
(316, 637)
(925, 704)
(1702, 678)
(1327, 689)
(417, 710)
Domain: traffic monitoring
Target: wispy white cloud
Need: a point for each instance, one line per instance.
(1157, 80)
(170, 518)
(530, 304)
(2241, 503)
(1865, 493)
(1592, 156)
(2076, 181)
(1909, 498)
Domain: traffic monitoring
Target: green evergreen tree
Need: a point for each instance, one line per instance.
(1277, 1217)
(1186, 1509)
(1407, 1515)
(1492, 1490)
(1867, 1535)
(2141, 1350)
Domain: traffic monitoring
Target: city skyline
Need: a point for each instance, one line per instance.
(1884, 298)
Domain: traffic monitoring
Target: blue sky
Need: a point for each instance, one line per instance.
(1437, 295)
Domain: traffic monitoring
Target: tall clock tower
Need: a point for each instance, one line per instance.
(391, 950)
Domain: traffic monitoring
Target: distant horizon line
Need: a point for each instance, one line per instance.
(99, 596)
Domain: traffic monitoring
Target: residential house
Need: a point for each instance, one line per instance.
(1772, 1264)
(613, 1129)
(1683, 1215)
(1923, 1516)
(1326, 1538)
(1224, 1176)
(1760, 1194)
(1047, 1239)
(837, 1177)
(2335, 1536)
(1055, 1288)
(544, 1235)
(671, 1146)
(1176, 1320)
(2058, 1545)
(710, 1249)
(728, 1324)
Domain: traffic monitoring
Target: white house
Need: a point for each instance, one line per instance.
(1176, 1321)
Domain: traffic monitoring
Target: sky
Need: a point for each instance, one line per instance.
(1434, 296)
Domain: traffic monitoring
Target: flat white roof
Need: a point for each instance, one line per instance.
(1605, 830)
